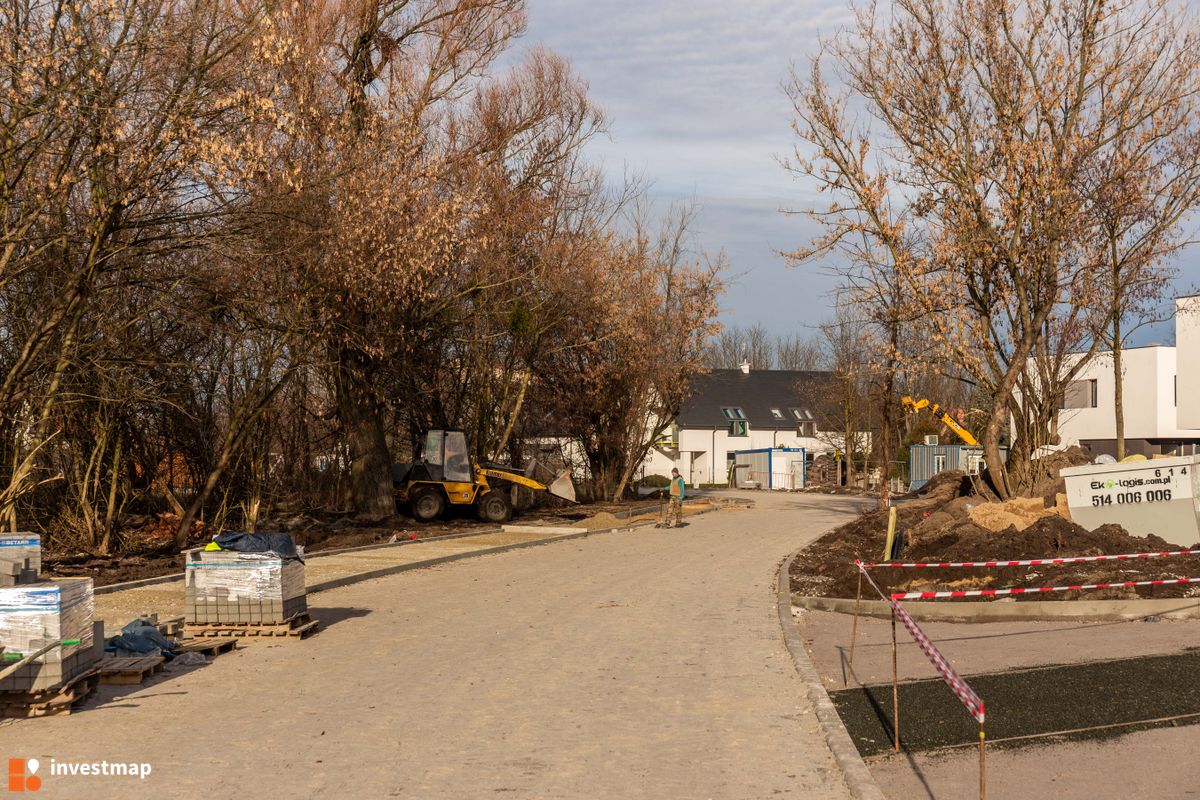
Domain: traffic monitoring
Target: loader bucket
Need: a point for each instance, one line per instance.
(563, 486)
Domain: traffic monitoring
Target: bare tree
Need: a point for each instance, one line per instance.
(795, 352)
(846, 411)
(987, 133)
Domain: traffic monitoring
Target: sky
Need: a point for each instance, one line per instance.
(693, 91)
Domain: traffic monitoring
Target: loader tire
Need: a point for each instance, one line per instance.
(494, 507)
(428, 505)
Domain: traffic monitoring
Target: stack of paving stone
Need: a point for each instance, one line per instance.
(227, 587)
(36, 614)
(20, 558)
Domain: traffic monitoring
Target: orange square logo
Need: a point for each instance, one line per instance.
(22, 775)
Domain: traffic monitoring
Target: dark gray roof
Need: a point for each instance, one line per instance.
(755, 394)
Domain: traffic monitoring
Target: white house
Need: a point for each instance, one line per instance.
(734, 410)
(1161, 395)
(1088, 412)
(1187, 354)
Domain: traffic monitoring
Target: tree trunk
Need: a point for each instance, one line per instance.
(518, 404)
(885, 425)
(1118, 387)
(361, 416)
(991, 447)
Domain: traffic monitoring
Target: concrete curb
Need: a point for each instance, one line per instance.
(384, 572)
(858, 778)
(116, 587)
(120, 587)
(347, 580)
(1022, 611)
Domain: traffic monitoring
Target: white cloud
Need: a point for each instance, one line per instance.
(693, 88)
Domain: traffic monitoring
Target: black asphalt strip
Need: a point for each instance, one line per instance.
(1128, 694)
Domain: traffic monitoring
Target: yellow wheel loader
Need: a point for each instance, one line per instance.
(444, 475)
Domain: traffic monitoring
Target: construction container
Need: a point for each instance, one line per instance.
(769, 468)
(231, 587)
(1160, 496)
(927, 460)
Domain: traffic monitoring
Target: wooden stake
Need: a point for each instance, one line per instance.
(853, 631)
(891, 534)
(895, 686)
(982, 782)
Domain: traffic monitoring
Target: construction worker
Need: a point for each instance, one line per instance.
(675, 509)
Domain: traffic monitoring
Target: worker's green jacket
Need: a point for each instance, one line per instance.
(677, 487)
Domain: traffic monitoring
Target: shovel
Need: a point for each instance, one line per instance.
(23, 660)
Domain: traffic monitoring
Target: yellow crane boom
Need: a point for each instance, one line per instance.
(941, 415)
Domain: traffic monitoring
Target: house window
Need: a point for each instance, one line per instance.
(806, 428)
(801, 414)
(738, 427)
(732, 412)
(1080, 394)
(939, 463)
(776, 413)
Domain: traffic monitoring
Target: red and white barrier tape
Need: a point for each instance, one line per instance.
(1034, 589)
(1034, 562)
(961, 689)
(964, 692)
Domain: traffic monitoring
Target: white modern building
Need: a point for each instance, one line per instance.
(1161, 396)
(738, 410)
(1187, 359)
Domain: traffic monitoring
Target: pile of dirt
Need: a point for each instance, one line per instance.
(1019, 513)
(1047, 481)
(950, 521)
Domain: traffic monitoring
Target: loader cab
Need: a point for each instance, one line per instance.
(446, 457)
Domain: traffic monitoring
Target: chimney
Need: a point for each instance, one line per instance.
(745, 366)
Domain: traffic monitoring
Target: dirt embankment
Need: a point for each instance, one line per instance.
(951, 520)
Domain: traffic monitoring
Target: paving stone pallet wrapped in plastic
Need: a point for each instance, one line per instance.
(36, 614)
(20, 547)
(227, 586)
(38, 676)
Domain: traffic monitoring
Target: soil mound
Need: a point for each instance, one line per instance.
(949, 521)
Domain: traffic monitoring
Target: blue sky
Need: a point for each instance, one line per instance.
(693, 92)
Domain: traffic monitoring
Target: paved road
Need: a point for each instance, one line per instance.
(643, 664)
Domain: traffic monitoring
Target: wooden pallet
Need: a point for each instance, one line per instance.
(172, 627)
(208, 647)
(55, 702)
(129, 671)
(298, 627)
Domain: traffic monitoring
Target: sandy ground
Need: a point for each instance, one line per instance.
(166, 599)
(642, 664)
(1151, 764)
(1156, 763)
